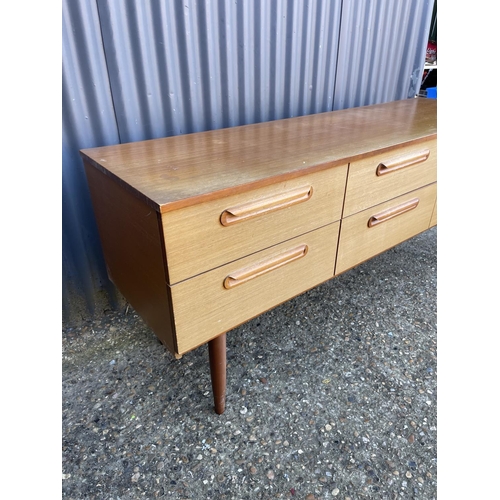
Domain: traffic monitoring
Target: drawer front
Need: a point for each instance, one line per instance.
(208, 235)
(379, 228)
(434, 216)
(384, 176)
(219, 300)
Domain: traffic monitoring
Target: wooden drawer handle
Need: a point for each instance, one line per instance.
(392, 212)
(400, 162)
(263, 267)
(252, 209)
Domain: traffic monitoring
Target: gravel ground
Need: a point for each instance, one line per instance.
(330, 395)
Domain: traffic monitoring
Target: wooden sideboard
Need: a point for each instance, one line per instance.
(202, 232)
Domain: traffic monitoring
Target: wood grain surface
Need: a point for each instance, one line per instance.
(130, 234)
(365, 188)
(179, 171)
(205, 231)
(204, 308)
(434, 215)
(196, 241)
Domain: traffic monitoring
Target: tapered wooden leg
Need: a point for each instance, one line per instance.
(217, 355)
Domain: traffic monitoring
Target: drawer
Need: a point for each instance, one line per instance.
(434, 216)
(384, 176)
(379, 228)
(219, 300)
(210, 234)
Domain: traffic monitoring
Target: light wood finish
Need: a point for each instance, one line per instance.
(197, 241)
(434, 216)
(390, 174)
(404, 160)
(174, 172)
(393, 211)
(264, 206)
(409, 215)
(203, 307)
(264, 266)
(205, 231)
(130, 233)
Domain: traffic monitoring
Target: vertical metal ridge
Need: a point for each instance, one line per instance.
(88, 120)
(381, 51)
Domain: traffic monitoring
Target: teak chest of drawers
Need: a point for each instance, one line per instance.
(204, 231)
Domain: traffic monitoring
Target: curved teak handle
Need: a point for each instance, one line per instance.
(400, 162)
(386, 215)
(255, 208)
(264, 266)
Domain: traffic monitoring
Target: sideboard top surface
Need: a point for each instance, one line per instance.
(178, 171)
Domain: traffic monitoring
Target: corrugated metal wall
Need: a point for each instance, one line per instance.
(178, 67)
(382, 51)
(141, 69)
